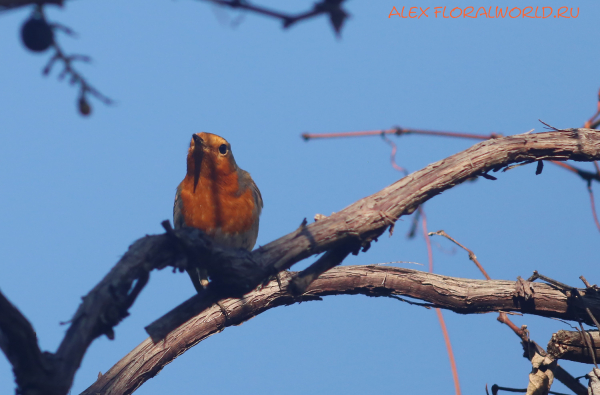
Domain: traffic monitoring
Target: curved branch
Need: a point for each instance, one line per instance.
(460, 295)
(368, 218)
(234, 273)
(364, 221)
(19, 343)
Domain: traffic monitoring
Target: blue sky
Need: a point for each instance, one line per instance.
(78, 191)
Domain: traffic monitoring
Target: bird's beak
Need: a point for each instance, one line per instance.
(198, 155)
(197, 140)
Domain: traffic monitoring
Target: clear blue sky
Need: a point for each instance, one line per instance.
(76, 192)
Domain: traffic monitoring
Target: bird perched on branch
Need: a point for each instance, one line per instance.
(217, 197)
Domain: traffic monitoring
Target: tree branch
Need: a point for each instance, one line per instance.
(530, 348)
(10, 4)
(364, 221)
(19, 343)
(459, 295)
(234, 273)
(337, 15)
(571, 346)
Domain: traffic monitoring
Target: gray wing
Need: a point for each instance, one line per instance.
(252, 234)
(247, 182)
(178, 221)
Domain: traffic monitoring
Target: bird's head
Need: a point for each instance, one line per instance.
(209, 156)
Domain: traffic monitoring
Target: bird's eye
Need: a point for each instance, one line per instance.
(223, 149)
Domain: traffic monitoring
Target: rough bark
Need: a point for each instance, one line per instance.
(571, 346)
(364, 221)
(235, 273)
(460, 295)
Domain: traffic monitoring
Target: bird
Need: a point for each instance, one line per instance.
(217, 197)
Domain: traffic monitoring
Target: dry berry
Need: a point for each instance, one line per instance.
(36, 34)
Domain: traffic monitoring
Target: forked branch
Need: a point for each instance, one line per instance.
(235, 273)
(463, 296)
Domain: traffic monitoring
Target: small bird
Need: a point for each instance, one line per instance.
(217, 197)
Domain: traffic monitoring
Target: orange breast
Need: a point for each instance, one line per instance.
(217, 205)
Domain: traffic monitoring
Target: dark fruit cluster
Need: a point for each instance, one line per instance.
(36, 34)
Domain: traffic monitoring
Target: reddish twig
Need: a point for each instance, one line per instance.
(427, 240)
(584, 174)
(561, 374)
(594, 120)
(400, 131)
(437, 310)
(588, 177)
(594, 213)
(471, 253)
(503, 318)
(393, 155)
(592, 193)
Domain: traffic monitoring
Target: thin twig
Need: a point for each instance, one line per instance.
(594, 120)
(439, 311)
(472, 256)
(398, 132)
(393, 155)
(496, 388)
(584, 174)
(440, 316)
(593, 204)
(74, 77)
(337, 14)
(585, 282)
(588, 343)
(561, 374)
(562, 286)
(426, 305)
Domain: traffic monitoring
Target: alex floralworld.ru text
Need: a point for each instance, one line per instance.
(482, 12)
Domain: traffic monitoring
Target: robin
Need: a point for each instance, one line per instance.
(217, 197)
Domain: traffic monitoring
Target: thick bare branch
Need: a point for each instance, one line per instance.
(460, 295)
(364, 221)
(367, 219)
(235, 273)
(571, 346)
(19, 343)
